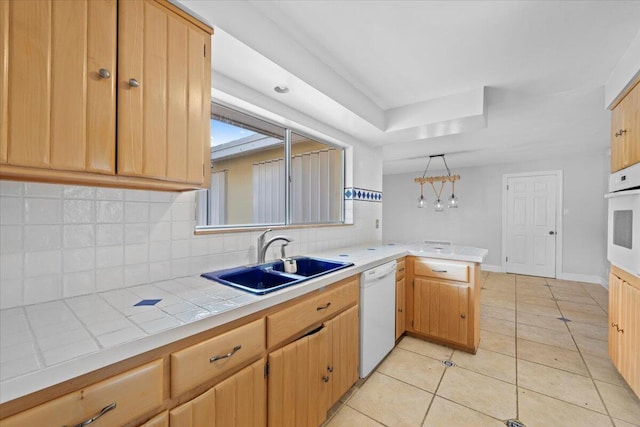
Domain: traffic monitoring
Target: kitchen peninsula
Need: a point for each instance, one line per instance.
(442, 300)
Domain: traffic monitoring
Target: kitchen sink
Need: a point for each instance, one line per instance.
(311, 267)
(270, 276)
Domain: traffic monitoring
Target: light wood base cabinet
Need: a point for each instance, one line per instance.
(62, 64)
(240, 400)
(400, 298)
(443, 301)
(624, 325)
(310, 375)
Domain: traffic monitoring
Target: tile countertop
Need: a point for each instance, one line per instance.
(44, 344)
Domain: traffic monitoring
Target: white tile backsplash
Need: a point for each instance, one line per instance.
(63, 241)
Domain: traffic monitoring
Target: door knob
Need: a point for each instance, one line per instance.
(552, 233)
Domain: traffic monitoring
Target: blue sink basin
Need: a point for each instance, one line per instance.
(270, 277)
(311, 267)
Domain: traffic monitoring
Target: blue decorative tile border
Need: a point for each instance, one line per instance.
(353, 193)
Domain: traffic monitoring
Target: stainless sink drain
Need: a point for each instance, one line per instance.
(514, 423)
(448, 363)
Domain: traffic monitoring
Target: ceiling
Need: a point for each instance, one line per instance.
(481, 81)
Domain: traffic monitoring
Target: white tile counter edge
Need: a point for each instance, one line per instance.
(363, 257)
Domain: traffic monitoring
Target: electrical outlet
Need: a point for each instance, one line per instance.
(377, 223)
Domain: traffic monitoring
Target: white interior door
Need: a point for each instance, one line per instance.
(531, 225)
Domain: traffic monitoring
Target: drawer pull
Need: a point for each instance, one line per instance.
(324, 307)
(439, 271)
(231, 353)
(102, 412)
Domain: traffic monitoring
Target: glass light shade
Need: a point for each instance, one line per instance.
(453, 201)
(422, 202)
(439, 206)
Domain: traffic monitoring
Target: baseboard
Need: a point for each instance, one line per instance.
(492, 268)
(587, 278)
(574, 277)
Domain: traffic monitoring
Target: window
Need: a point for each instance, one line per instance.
(250, 162)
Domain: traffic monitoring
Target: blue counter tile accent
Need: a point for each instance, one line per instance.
(147, 302)
(362, 194)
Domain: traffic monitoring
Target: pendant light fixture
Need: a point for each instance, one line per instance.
(452, 202)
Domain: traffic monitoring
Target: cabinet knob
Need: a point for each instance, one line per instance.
(325, 378)
(330, 368)
(621, 132)
(104, 73)
(463, 316)
(134, 83)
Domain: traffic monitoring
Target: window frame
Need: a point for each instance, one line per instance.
(202, 205)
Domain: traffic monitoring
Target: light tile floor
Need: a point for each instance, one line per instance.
(530, 366)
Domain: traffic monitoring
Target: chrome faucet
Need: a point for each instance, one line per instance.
(262, 246)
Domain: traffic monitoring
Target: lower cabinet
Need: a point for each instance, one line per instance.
(112, 402)
(624, 326)
(443, 301)
(240, 400)
(309, 375)
(160, 420)
(400, 299)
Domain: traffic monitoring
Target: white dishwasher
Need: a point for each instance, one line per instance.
(377, 315)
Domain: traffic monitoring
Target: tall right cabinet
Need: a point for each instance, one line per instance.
(624, 287)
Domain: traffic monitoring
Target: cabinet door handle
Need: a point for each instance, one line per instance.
(104, 73)
(323, 307)
(101, 413)
(134, 83)
(224, 356)
(439, 271)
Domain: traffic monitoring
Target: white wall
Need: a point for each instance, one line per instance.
(478, 220)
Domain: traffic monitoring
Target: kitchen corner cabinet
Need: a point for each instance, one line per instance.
(625, 131)
(400, 298)
(443, 301)
(63, 65)
(624, 325)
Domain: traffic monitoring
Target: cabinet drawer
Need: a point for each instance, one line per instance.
(442, 269)
(202, 362)
(286, 323)
(134, 393)
(400, 270)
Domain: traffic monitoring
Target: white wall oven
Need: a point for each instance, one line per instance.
(623, 233)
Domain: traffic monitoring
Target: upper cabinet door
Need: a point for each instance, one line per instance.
(625, 131)
(163, 93)
(57, 84)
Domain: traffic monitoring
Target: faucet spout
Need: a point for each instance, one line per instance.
(262, 246)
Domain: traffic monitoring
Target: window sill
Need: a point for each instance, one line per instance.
(210, 230)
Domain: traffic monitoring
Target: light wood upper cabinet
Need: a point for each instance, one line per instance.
(62, 63)
(57, 111)
(624, 325)
(625, 131)
(163, 93)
